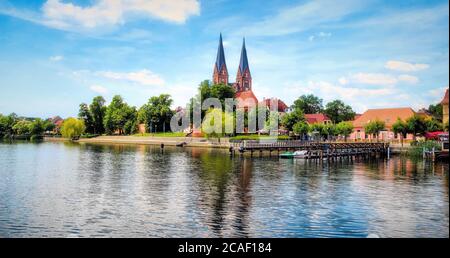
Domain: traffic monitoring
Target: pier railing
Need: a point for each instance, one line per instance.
(314, 149)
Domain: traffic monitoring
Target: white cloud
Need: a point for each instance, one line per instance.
(99, 89)
(408, 78)
(62, 15)
(56, 58)
(358, 98)
(404, 66)
(343, 80)
(373, 78)
(321, 34)
(378, 79)
(143, 77)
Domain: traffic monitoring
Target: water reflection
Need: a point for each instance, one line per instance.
(56, 189)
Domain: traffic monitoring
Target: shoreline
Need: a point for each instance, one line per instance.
(189, 142)
(150, 140)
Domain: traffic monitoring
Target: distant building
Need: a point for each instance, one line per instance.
(387, 115)
(317, 119)
(281, 108)
(444, 103)
(57, 121)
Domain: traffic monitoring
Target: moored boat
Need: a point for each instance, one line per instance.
(296, 154)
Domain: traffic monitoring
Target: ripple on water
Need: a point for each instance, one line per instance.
(70, 190)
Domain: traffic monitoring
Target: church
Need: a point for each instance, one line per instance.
(243, 85)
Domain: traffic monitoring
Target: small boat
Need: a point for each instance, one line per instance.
(296, 154)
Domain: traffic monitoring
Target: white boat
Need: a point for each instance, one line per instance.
(300, 154)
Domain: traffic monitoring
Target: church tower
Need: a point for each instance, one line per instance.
(220, 68)
(243, 77)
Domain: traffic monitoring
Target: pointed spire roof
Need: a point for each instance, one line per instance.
(220, 60)
(243, 64)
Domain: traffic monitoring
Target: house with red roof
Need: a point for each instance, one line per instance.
(317, 119)
(281, 106)
(387, 115)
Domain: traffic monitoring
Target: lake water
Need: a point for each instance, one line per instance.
(81, 190)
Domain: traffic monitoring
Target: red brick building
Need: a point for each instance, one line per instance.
(243, 85)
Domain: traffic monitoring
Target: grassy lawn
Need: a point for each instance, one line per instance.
(168, 134)
(257, 137)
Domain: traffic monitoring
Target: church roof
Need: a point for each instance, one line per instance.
(220, 60)
(246, 99)
(243, 64)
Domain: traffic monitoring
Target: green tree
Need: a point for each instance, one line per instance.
(85, 114)
(22, 127)
(401, 128)
(291, 118)
(273, 122)
(345, 129)
(72, 128)
(374, 127)
(301, 128)
(48, 126)
(222, 92)
(7, 123)
(207, 90)
(217, 128)
(318, 129)
(37, 127)
(433, 125)
(338, 111)
(309, 104)
(157, 113)
(131, 125)
(436, 111)
(330, 131)
(117, 114)
(416, 125)
(98, 110)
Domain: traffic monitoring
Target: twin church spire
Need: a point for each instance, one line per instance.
(243, 77)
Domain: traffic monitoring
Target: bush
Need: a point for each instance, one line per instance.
(417, 147)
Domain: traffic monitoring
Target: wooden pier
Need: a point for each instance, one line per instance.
(315, 150)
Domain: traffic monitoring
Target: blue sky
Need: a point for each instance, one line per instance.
(56, 54)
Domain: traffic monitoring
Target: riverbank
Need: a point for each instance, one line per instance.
(152, 140)
(189, 141)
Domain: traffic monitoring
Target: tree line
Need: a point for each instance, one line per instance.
(118, 117)
(13, 125)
